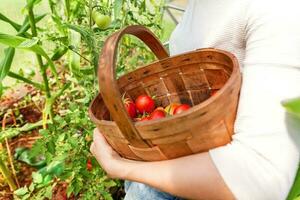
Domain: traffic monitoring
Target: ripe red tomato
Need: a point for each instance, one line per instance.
(181, 108)
(89, 165)
(130, 107)
(213, 92)
(144, 103)
(158, 114)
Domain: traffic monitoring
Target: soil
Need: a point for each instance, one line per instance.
(14, 95)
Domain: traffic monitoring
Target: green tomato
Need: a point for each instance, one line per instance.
(102, 21)
(94, 14)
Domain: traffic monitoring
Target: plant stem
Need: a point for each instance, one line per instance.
(7, 175)
(39, 57)
(90, 13)
(67, 7)
(72, 49)
(11, 163)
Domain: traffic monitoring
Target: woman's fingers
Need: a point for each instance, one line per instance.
(100, 142)
(92, 148)
(98, 137)
(105, 155)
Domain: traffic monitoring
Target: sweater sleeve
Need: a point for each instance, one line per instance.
(262, 160)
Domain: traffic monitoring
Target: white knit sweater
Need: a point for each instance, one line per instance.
(262, 159)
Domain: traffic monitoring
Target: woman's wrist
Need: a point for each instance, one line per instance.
(125, 169)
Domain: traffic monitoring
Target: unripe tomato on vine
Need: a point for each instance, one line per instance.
(102, 21)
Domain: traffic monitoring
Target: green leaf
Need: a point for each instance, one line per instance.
(28, 43)
(26, 80)
(298, 198)
(26, 25)
(59, 52)
(9, 53)
(16, 41)
(295, 190)
(6, 62)
(31, 187)
(60, 92)
(59, 25)
(292, 106)
(117, 8)
(89, 38)
(31, 126)
(1, 88)
(21, 191)
(37, 177)
(9, 133)
(26, 196)
(70, 190)
(12, 23)
(47, 179)
(23, 154)
(48, 193)
(109, 183)
(55, 168)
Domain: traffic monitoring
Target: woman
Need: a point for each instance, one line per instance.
(262, 160)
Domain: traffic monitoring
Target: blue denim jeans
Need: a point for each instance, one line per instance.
(140, 191)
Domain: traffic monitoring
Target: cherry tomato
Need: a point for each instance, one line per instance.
(171, 108)
(94, 14)
(130, 107)
(158, 114)
(89, 165)
(144, 103)
(181, 108)
(213, 92)
(102, 21)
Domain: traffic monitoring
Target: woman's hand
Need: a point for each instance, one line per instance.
(192, 177)
(109, 160)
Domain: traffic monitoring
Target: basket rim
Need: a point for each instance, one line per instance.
(235, 71)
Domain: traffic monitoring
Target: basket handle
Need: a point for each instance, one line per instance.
(108, 84)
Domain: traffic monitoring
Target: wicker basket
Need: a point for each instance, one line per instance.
(186, 78)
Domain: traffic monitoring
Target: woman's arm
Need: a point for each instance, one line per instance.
(192, 177)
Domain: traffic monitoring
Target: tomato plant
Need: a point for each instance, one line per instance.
(67, 47)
